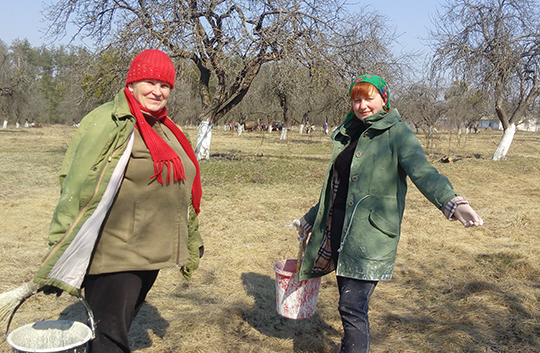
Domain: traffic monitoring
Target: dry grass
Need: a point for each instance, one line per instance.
(454, 289)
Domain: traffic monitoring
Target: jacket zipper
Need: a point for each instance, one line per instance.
(350, 222)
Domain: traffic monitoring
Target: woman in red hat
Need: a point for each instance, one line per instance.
(130, 197)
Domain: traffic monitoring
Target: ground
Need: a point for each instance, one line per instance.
(453, 289)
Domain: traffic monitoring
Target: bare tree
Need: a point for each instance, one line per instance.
(466, 107)
(495, 44)
(285, 81)
(227, 40)
(421, 105)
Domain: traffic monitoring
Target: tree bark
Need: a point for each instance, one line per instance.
(506, 141)
(204, 137)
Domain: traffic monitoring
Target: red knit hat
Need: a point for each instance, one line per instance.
(151, 64)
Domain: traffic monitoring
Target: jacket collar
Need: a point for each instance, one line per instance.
(382, 120)
(121, 106)
(378, 121)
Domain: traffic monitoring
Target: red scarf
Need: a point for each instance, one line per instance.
(162, 154)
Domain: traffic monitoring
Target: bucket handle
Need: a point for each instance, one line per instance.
(91, 320)
(301, 246)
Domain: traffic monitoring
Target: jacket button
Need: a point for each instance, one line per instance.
(351, 203)
(358, 154)
(354, 178)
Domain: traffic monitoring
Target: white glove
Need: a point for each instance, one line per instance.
(302, 234)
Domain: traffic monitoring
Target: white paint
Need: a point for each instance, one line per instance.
(506, 141)
(202, 149)
(5, 124)
(283, 133)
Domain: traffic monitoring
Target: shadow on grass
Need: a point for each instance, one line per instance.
(474, 317)
(148, 319)
(242, 156)
(308, 335)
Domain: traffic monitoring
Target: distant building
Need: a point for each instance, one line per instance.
(529, 124)
(532, 125)
(488, 122)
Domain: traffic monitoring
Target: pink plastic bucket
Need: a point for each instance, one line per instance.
(294, 299)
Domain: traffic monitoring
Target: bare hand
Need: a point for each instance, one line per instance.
(467, 216)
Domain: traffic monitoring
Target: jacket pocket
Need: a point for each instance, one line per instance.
(384, 225)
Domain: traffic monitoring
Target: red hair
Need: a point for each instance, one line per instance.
(365, 89)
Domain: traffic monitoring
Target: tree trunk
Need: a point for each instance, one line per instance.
(283, 135)
(506, 141)
(204, 136)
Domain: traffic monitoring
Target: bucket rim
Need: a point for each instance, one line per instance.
(91, 326)
(89, 336)
(281, 271)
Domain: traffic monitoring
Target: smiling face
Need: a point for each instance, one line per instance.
(151, 94)
(367, 101)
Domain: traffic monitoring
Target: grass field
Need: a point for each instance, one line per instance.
(453, 290)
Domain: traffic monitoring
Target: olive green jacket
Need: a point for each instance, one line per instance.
(387, 152)
(90, 177)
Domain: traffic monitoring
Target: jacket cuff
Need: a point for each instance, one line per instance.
(451, 206)
(304, 224)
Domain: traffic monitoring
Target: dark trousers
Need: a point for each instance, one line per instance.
(354, 297)
(115, 299)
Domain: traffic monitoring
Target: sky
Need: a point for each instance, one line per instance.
(22, 19)
(410, 19)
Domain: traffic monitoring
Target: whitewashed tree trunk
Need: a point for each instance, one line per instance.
(5, 124)
(301, 128)
(240, 129)
(506, 141)
(204, 136)
(283, 133)
(269, 128)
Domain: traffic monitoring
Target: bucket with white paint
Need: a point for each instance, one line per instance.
(295, 299)
(53, 336)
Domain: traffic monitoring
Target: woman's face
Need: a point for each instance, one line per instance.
(151, 94)
(367, 104)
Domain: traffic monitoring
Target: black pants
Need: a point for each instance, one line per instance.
(354, 297)
(115, 299)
